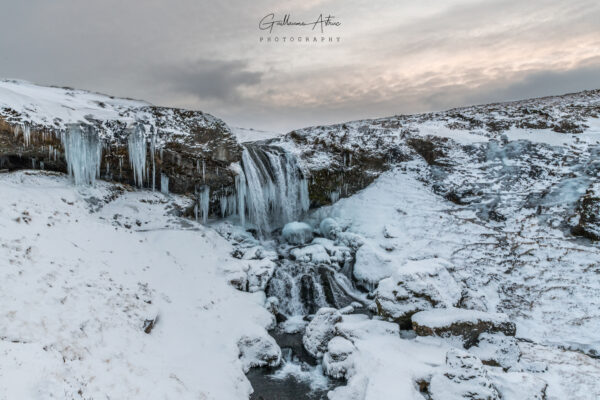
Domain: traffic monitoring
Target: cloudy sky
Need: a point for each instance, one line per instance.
(393, 56)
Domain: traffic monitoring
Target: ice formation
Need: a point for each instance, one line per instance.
(83, 153)
(276, 191)
(203, 204)
(164, 184)
(137, 153)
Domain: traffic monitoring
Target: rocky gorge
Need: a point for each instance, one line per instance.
(462, 240)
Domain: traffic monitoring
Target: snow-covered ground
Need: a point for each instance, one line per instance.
(83, 270)
(553, 298)
(252, 135)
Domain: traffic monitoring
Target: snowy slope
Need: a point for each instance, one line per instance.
(78, 286)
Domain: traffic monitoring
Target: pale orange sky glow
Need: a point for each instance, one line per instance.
(393, 56)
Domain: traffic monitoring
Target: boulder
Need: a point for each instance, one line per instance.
(416, 286)
(464, 377)
(329, 228)
(337, 362)
(259, 350)
(467, 325)
(320, 331)
(497, 350)
(314, 253)
(297, 233)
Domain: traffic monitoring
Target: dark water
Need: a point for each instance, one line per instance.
(266, 387)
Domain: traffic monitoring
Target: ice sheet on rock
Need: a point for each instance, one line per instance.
(320, 331)
(314, 253)
(440, 318)
(259, 350)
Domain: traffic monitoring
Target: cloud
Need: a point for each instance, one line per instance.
(207, 79)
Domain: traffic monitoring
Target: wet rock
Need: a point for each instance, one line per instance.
(497, 350)
(416, 286)
(464, 377)
(467, 325)
(297, 233)
(259, 350)
(337, 362)
(320, 331)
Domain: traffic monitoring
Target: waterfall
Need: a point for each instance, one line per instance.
(137, 153)
(83, 153)
(271, 189)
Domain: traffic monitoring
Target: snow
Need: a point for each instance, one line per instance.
(252, 135)
(78, 286)
(297, 233)
(439, 318)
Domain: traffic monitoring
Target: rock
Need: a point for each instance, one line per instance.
(416, 286)
(314, 253)
(320, 331)
(464, 377)
(519, 386)
(588, 211)
(467, 325)
(297, 233)
(337, 362)
(372, 265)
(497, 350)
(329, 228)
(258, 274)
(259, 350)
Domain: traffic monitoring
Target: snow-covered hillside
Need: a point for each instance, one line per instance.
(84, 271)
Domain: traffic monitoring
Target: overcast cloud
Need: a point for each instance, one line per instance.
(393, 56)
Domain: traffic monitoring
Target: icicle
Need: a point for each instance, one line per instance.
(203, 171)
(203, 203)
(223, 202)
(152, 151)
(26, 134)
(33, 163)
(83, 153)
(164, 184)
(334, 196)
(240, 189)
(42, 165)
(137, 154)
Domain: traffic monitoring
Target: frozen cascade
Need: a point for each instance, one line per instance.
(83, 153)
(203, 203)
(276, 190)
(136, 144)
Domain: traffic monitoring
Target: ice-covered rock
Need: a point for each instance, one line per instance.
(464, 377)
(259, 350)
(360, 326)
(465, 324)
(329, 228)
(320, 331)
(314, 253)
(337, 362)
(297, 233)
(497, 349)
(372, 265)
(416, 286)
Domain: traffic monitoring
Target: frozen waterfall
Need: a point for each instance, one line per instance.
(83, 153)
(137, 153)
(271, 188)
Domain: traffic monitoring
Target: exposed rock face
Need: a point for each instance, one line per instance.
(465, 324)
(416, 286)
(190, 147)
(589, 214)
